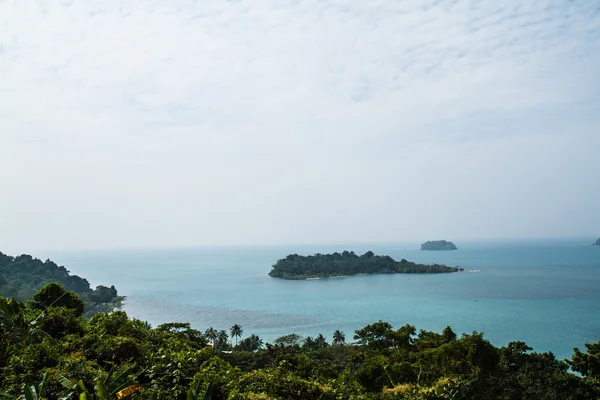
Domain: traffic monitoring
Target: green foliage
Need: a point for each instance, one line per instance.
(339, 337)
(54, 295)
(236, 331)
(292, 339)
(588, 364)
(443, 389)
(21, 277)
(198, 392)
(114, 385)
(215, 377)
(60, 321)
(25, 364)
(30, 391)
(377, 335)
(111, 352)
(348, 263)
(251, 343)
(170, 371)
(531, 375)
(183, 331)
(279, 383)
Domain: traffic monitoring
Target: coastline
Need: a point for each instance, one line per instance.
(314, 278)
(190, 286)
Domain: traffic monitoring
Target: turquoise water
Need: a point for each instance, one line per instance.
(544, 293)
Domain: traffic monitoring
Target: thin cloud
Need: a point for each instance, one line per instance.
(264, 93)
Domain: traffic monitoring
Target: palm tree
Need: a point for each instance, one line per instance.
(309, 342)
(222, 337)
(211, 333)
(251, 343)
(236, 331)
(256, 341)
(339, 337)
(320, 341)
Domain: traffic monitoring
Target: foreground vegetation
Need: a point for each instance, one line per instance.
(48, 350)
(348, 263)
(21, 277)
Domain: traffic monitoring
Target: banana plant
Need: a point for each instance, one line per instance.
(110, 388)
(30, 391)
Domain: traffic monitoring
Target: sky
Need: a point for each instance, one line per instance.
(127, 124)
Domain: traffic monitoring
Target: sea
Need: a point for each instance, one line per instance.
(542, 292)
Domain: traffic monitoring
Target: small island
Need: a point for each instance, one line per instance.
(438, 245)
(317, 266)
(597, 243)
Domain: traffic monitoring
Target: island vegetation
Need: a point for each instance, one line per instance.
(597, 242)
(48, 350)
(438, 245)
(22, 276)
(348, 263)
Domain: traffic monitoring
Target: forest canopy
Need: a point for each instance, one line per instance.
(48, 349)
(22, 276)
(346, 263)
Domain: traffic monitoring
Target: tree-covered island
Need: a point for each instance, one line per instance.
(438, 245)
(347, 263)
(597, 242)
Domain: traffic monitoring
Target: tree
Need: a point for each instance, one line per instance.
(308, 343)
(13, 327)
(402, 337)
(588, 363)
(211, 333)
(55, 295)
(339, 337)
(320, 341)
(376, 335)
(448, 334)
(236, 331)
(221, 340)
(288, 340)
(251, 343)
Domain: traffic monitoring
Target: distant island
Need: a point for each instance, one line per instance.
(597, 243)
(438, 245)
(347, 263)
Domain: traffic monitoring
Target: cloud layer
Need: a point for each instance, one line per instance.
(159, 123)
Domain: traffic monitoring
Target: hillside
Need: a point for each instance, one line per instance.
(22, 276)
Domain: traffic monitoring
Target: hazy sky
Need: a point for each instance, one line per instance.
(165, 123)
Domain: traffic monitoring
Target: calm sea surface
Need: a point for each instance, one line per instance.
(546, 293)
